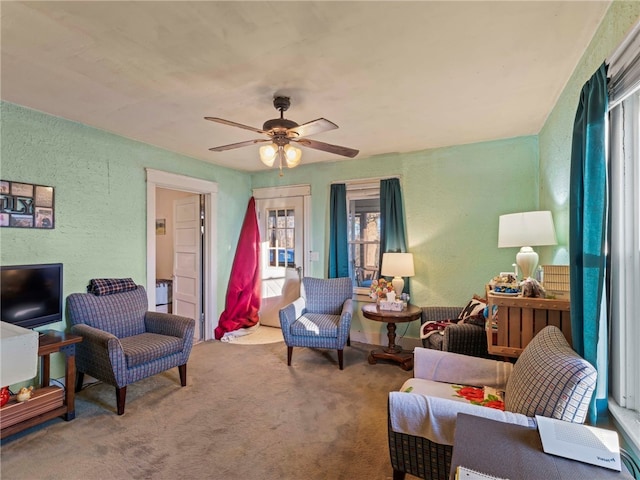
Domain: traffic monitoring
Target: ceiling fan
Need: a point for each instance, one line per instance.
(281, 133)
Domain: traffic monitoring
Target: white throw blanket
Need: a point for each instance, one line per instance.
(434, 418)
(462, 369)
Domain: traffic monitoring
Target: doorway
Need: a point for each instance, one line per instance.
(206, 260)
(179, 246)
(284, 253)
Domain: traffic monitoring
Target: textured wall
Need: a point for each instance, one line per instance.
(453, 197)
(100, 198)
(555, 136)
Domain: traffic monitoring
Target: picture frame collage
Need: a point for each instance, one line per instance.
(26, 205)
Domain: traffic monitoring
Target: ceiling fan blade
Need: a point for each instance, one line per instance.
(234, 124)
(313, 127)
(327, 147)
(238, 145)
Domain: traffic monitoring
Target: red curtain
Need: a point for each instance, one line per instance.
(243, 292)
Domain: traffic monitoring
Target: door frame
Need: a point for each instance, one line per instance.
(173, 181)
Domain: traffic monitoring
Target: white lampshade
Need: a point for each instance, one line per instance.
(397, 265)
(524, 230)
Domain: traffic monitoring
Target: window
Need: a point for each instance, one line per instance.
(363, 205)
(281, 234)
(624, 247)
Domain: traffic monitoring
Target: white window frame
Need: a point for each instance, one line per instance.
(624, 159)
(360, 191)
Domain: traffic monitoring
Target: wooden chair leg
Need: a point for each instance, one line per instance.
(398, 475)
(79, 380)
(349, 341)
(121, 396)
(183, 374)
(340, 358)
(289, 354)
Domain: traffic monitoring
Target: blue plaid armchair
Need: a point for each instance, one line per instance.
(123, 342)
(320, 317)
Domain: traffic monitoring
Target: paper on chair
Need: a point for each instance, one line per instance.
(585, 443)
(463, 473)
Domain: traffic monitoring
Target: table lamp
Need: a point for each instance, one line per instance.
(524, 230)
(397, 265)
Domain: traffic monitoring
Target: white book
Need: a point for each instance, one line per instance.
(584, 443)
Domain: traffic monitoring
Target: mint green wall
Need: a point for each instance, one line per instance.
(453, 197)
(555, 136)
(100, 198)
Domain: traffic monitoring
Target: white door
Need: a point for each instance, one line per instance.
(187, 273)
(281, 254)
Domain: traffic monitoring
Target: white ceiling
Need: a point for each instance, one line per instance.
(395, 76)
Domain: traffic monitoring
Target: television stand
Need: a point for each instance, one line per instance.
(47, 402)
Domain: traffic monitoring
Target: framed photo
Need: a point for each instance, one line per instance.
(26, 205)
(161, 226)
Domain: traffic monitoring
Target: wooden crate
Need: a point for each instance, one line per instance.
(519, 319)
(43, 400)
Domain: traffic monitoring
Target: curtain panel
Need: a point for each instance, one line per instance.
(392, 236)
(338, 240)
(587, 230)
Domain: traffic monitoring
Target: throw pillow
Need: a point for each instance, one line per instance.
(474, 308)
(478, 320)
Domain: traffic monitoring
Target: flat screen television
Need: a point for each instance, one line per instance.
(31, 295)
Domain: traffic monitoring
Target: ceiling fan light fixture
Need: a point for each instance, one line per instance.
(292, 155)
(268, 154)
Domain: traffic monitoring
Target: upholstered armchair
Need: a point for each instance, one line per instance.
(123, 342)
(465, 337)
(548, 379)
(320, 317)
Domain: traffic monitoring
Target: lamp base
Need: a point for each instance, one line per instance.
(527, 260)
(398, 285)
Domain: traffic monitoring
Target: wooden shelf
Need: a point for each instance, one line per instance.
(47, 402)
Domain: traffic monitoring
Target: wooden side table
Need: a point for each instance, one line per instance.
(48, 401)
(392, 352)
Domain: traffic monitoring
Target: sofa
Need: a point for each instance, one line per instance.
(548, 379)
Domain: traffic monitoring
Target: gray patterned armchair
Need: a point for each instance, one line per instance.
(320, 317)
(461, 337)
(548, 379)
(123, 342)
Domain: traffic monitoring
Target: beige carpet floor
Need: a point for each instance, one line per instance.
(243, 415)
(262, 334)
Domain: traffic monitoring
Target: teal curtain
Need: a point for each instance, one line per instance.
(587, 231)
(338, 241)
(392, 237)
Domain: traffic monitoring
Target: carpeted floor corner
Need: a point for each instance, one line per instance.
(243, 415)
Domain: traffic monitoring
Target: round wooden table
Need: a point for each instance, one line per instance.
(392, 352)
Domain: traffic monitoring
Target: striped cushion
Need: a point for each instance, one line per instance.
(148, 347)
(316, 324)
(551, 380)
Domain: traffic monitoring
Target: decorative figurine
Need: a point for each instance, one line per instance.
(24, 394)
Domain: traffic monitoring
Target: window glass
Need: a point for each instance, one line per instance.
(281, 234)
(364, 237)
